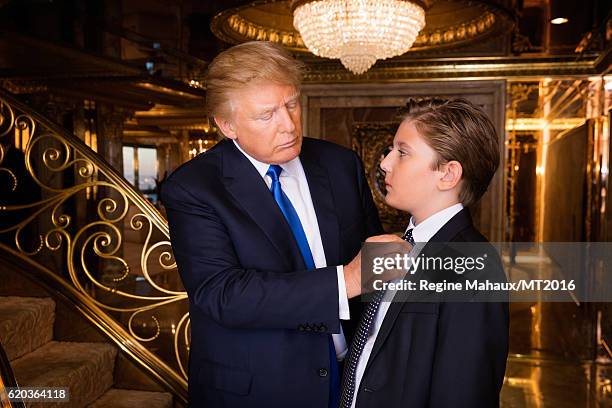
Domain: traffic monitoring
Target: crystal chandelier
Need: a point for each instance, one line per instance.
(359, 32)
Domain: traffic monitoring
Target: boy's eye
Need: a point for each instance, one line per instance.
(402, 153)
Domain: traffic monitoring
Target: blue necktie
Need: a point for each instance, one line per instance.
(300, 236)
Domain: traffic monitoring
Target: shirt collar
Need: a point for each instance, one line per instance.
(290, 168)
(431, 225)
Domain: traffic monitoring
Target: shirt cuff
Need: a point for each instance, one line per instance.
(344, 312)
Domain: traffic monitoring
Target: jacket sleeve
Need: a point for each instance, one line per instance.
(238, 297)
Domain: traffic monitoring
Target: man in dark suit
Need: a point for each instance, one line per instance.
(442, 351)
(265, 227)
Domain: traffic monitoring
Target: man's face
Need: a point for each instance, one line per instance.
(266, 121)
(411, 183)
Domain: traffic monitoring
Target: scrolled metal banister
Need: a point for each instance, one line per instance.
(84, 233)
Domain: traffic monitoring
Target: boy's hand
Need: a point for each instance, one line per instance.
(352, 271)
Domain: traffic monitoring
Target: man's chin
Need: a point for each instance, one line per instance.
(286, 154)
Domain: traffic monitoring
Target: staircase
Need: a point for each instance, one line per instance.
(86, 369)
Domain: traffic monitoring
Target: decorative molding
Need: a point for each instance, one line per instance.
(402, 69)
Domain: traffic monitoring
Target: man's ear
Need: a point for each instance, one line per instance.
(226, 126)
(451, 175)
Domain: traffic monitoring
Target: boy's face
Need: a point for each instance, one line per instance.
(412, 185)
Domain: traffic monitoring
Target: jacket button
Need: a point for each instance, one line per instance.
(308, 328)
(322, 372)
(301, 328)
(323, 328)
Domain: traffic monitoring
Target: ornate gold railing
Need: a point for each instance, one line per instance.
(64, 208)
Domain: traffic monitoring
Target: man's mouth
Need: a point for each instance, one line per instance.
(288, 144)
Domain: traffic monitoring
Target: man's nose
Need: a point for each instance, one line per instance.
(285, 120)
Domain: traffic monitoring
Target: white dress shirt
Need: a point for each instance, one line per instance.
(295, 186)
(421, 234)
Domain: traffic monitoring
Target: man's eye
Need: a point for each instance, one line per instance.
(265, 117)
(292, 105)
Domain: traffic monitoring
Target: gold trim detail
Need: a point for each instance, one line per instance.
(250, 31)
(402, 69)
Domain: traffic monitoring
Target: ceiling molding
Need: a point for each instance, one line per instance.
(402, 70)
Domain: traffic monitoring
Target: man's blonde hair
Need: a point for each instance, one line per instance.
(247, 63)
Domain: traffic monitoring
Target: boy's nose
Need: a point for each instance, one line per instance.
(385, 165)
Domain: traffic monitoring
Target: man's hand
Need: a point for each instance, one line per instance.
(352, 271)
(385, 238)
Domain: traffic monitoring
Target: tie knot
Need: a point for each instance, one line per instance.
(408, 237)
(274, 172)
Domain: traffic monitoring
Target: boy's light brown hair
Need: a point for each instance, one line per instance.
(247, 63)
(458, 130)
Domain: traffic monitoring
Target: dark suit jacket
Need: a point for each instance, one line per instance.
(259, 320)
(440, 354)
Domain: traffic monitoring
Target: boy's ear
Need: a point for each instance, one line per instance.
(451, 175)
(226, 126)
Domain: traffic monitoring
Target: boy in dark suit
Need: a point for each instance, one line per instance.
(437, 353)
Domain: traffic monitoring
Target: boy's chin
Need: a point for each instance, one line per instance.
(394, 203)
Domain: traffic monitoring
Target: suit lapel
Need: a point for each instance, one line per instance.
(250, 191)
(323, 202)
(459, 222)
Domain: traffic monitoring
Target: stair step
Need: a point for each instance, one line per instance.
(26, 323)
(86, 369)
(118, 398)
